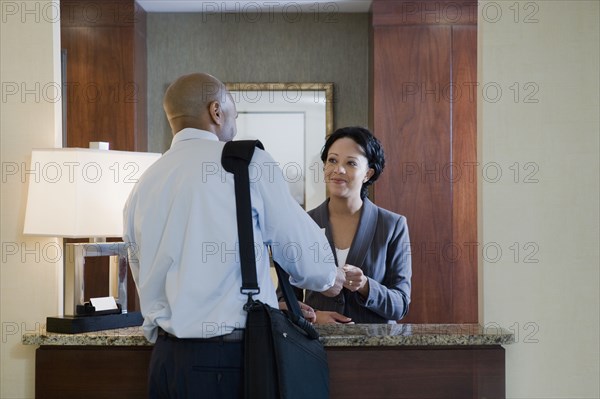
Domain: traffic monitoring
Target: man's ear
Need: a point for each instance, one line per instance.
(215, 111)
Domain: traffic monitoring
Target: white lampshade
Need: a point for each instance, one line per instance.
(80, 192)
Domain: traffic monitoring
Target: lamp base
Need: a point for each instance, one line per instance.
(82, 324)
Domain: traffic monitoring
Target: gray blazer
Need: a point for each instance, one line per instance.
(381, 248)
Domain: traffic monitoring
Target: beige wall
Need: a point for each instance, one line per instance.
(553, 304)
(29, 117)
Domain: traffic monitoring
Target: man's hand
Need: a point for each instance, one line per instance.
(308, 312)
(340, 280)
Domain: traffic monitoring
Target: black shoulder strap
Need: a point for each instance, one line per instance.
(235, 159)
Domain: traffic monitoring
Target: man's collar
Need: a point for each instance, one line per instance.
(191, 134)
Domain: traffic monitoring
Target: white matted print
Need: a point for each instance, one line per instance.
(292, 125)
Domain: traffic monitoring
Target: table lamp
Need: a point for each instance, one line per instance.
(80, 193)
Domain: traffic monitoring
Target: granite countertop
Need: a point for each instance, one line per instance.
(338, 335)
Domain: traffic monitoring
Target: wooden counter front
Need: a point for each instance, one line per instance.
(365, 361)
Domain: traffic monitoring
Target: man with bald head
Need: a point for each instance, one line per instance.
(201, 101)
(181, 222)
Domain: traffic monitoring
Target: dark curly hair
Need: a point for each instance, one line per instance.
(369, 144)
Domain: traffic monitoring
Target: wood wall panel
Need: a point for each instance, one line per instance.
(418, 59)
(106, 75)
(411, 62)
(94, 13)
(140, 67)
(424, 12)
(463, 176)
(100, 82)
(106, 78)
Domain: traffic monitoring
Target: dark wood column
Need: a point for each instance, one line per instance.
(106, 73)
(106, 64)
(424, 63)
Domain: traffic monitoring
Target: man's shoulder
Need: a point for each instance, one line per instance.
(262, 156)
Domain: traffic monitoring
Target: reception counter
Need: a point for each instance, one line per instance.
(365, 360)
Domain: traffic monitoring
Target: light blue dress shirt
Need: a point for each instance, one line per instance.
(180, 221)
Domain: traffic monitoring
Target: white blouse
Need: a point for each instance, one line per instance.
(342, 254)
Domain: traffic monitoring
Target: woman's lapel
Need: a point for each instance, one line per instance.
(364, 234)
(322, 219)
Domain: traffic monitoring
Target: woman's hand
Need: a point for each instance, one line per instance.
(307, 312)
(325, 317)
(356, 281)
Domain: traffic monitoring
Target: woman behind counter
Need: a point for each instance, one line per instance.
(371, 243)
